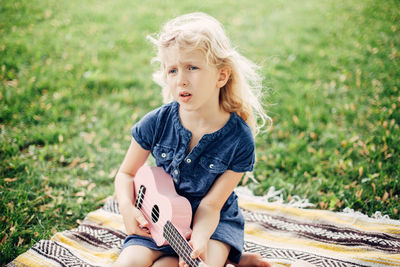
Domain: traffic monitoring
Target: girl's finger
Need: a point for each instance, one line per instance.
(142, 221)
(143, 232)
(181, 262)
(195, 254)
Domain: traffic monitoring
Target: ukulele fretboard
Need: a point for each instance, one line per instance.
(179, 244)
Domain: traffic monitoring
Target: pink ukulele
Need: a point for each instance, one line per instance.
(169, 215)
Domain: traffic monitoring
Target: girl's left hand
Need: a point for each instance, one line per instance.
(199, 250)
(199, 247)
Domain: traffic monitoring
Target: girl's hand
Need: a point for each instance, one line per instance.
(135, 223)
(199, 247)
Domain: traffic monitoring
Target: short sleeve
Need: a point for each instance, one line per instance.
(144, 131)
(244, 158)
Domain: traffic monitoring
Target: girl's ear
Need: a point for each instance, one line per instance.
(224, 74)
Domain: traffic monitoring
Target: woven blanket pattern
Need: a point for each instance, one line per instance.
(280, 233)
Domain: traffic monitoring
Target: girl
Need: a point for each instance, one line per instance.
(203, 139)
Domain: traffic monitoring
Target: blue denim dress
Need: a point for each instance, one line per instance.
(229, 148)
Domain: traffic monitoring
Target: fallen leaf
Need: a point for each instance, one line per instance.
(12, 229)
(4, 239)
(360, 171)
(295, 119)
(30, 219)
(20, 240)
(91, 186)
(313, 135)
(385, 196)
(359, 193)
(375, 175)
(7, 180)
(74, 163)
(44, 207)
(80, 194)
(81, 182)
(10, 205)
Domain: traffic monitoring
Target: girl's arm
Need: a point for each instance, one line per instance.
(135, 157)
(207, 215)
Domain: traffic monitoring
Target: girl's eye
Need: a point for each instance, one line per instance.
(172, 71)
(193, 68)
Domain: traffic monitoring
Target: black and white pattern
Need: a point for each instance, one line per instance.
(327, 233)
(98, 236)
(292, 255)
(58, 253)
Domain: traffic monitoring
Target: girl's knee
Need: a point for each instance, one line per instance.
(137, 256)
(166, 261)
(217, 253)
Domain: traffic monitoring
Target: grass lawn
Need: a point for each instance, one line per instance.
(75, 76)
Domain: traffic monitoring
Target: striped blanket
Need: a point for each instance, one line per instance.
(280, 233)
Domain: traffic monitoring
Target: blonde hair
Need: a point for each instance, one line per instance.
(243, 91)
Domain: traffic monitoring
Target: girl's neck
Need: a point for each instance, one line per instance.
(200, 123)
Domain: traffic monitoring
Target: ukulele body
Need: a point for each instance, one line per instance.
(157, 199)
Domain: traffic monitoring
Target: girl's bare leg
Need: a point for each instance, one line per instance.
(137, 256)
(217, 253)
(251, 260)
(166, 261)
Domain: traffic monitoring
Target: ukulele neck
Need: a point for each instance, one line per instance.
(179, 244)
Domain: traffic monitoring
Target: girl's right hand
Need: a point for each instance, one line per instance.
(135, 223)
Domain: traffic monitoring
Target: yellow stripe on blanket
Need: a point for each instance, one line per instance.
(94, 256)
(106, 219)
(30, 258)
(344, 219)
(282, 240)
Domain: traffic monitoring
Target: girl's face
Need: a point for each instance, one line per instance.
(193, 82)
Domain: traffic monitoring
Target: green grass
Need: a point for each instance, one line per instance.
(75, 76)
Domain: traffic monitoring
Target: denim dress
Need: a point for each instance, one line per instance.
(194, 172)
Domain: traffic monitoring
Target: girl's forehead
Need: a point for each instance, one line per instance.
(176, 55)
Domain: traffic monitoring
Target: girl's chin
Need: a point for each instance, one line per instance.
(187, 106)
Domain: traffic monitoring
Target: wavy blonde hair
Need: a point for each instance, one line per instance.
(243, 91)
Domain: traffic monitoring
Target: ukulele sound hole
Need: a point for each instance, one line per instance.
(155, 214)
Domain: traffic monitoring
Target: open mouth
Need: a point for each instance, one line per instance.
(185, 96)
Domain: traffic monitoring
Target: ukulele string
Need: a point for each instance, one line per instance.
(186, 249)
(145, 208)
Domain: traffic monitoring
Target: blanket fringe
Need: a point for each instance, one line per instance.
(276, 197)
(376, 217)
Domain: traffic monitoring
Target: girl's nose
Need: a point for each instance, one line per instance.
(182, 80)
